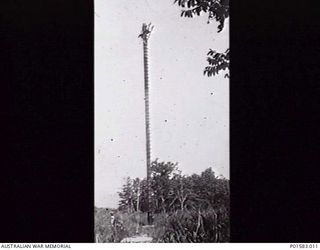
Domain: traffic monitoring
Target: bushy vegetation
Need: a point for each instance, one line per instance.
(127, 224)
(186, 208)
(191, 226)
(103, 228)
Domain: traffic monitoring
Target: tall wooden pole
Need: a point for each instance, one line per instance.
(147, 117)
(146, 30)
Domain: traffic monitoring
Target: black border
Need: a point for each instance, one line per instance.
(47, 175)
(47, 47)
(274, 126)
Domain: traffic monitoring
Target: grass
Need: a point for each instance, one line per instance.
(180, 226)
(126, 226)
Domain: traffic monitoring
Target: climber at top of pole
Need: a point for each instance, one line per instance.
(146, 31)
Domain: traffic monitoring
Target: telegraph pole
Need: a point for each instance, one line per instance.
(145, 34)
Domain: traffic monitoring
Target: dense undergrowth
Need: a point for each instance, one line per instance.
(185, 208)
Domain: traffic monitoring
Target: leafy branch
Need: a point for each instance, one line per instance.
(217, 62)
(217, 10)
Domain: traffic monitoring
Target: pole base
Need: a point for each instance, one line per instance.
(149, 218)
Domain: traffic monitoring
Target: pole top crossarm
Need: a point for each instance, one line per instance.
(146, 31)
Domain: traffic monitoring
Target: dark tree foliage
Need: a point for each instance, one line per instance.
(217, 10)
(196, 206)
(217, 62)
(161, 179)
(127, 196)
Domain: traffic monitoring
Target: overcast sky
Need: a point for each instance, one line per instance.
(189, 111)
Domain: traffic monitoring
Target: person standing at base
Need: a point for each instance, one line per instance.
(113, 226)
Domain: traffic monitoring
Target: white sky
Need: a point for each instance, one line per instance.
(196, 134)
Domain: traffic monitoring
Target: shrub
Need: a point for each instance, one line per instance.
(193, 226)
